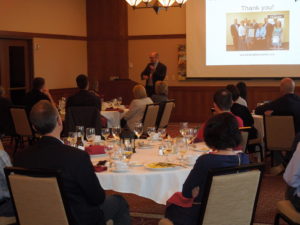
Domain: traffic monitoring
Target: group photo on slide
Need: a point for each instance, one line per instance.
(257, 31)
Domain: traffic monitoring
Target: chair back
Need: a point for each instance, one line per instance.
(164, 117)
(21, 121)
(244, 143)
(150, 116)
(37, 196)
(259, 125)
(279, 132)
(231, 195)
(82, 116)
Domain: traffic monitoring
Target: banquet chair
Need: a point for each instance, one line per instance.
(164, 114)
(279, 134)
(37, 196)
(244, 143)
(82, 116)
(22, 126)
(150, 116)
(259, 141)
(230, 196)
(287, 212)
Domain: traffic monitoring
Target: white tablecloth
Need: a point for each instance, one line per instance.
(113, 117)
(155, 185)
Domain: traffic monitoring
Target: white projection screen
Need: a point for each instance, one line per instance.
(243, 39)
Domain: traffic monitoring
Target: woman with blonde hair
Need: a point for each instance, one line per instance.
(161, 92)
(137, 106)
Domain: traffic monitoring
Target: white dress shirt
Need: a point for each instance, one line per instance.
(241, 101)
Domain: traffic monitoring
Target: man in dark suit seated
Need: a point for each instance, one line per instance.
(286, 105)
(86, 197)
(83, 97)
(153, 72)
(39, 92)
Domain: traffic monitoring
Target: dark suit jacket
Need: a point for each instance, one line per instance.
(244, 113)
(6, 123)
(84, 98)
(287, 105)
(83, 190)
(159, 73)
(234, 31)
(32, 97)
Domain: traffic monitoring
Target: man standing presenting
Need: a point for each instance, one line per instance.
(234, 29)
(153, 72)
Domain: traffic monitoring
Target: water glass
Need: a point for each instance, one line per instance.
(80, 129)
(116, 131)
(72, 138)
(162, 132)
(105, 133)
(90, 134)
(119, 99)
(138, 129)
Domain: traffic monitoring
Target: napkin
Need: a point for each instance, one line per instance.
(100, 168)
(178, 199)
(95, 150)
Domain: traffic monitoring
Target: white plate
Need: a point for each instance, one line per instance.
(123, 170)
(161, 169)
(135, 164)
(98, 155)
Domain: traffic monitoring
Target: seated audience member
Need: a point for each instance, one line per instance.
(39, 92)
(137, 106)
(222, 135)
(242, 111)
(286, 105)
(84, 193)
(6, 123)
(83, 97)
(222, 103)
(292, 178)
(241, 86)
(6, 207)
(161, 92)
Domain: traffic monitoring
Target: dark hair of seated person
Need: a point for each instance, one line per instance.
(242, 87)
(222, 132)
(82, 81)
(234, 91)
(223, 99)
(38, 83)
(43, 117)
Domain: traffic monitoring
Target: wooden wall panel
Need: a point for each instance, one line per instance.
(107, 32)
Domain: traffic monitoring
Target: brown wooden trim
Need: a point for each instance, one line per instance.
(27, 35)
(159, 36)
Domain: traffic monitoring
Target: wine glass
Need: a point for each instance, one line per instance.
(150, 131)
(105, 133)
(72, 138)
(138, 129)
(90, 134)
(128, 150)
(116, 131)
(109, 150)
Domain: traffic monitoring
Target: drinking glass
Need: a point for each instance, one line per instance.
(162, 132)
(116, 131)
(167, 150)
(128, 150)
(90, 134)
(119, 100)
(109, 150)
(151, 131)
(181, 147)
(80, 129)
(105, 133)
(72, 138)
(138, 129)
(183, 127)
(189, 135)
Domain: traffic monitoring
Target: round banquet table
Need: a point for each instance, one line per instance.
(155, 185)
(113, 117)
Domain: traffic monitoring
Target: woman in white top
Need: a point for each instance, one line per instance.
(137, 106)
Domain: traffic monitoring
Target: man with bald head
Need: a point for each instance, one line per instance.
(286, 105)
(153, 72)
(86, 198)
